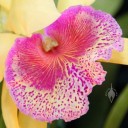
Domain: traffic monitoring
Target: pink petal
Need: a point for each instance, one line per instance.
(27, 61)
(68, 100)
(94, 71)
(81, 30)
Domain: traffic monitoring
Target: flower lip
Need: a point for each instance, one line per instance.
(48, 43)
(56, 84)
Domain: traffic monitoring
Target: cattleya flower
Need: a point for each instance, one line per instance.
(24, 18)
(50, 75)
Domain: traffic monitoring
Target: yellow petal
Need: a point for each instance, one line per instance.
(28, 122)
(119, 57)
(9, 109)
(6, 4)
(64, 4)
(6, 41)
(3, 18)
(28, 16)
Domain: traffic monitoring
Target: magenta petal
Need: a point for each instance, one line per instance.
(67, 101)
(27, 61)
(69, 98)
(94, 71)
(81, 30)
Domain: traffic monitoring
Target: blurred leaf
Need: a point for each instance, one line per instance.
(118, 111)
(56, 2)
(110, 6)
(57, 124)
(61, 124)
(2, 124)
(123, 22)
(52, 125)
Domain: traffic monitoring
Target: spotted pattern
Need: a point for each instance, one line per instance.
(56, 84)
(68, 100)
(93, 32)
(28, 61)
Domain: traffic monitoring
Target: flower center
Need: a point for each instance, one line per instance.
(49, 43)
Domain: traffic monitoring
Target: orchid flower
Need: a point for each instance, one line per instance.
(50, 75)
(18, 18)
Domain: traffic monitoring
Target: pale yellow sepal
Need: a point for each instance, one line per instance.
(5, 3)
(3, 18)
(28, 122)
(6, 42)
(28, 16)
(119, 57)
(9, 109)
(64, 4)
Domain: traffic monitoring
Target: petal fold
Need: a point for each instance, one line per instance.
(62, 4)
(6, 42)
(28, 16)
(119, 57)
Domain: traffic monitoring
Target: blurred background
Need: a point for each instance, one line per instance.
(100, 106)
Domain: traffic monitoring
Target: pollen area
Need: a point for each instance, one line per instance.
(48, 43)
